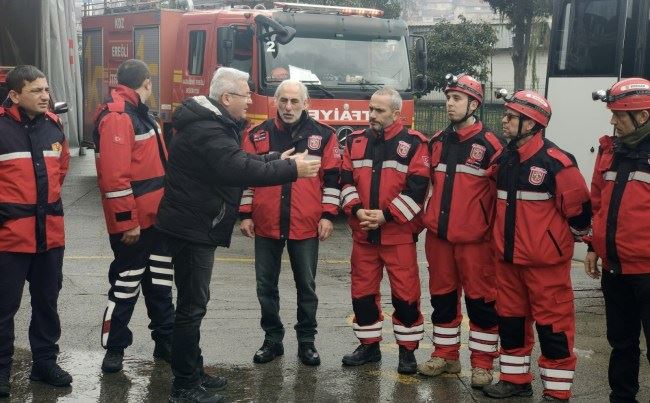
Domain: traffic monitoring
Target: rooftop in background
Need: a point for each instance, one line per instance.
(428, 12)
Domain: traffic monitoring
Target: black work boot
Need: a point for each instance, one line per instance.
(407, 363)
(163, 350)
(197, 394)
(504, 389)
(308, 354)
(268, 352)
(113, 360)
(51, 373)
(364, 354)
(5, 388)
(213, 382)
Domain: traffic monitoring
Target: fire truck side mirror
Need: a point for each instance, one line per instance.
(420, 84)
(225, 45)
(421, 53)
(60, 107)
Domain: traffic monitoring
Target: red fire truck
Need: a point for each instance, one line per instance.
(342, 54)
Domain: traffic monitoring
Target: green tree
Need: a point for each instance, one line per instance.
(391, 8)
(521, 15)
(456, 48)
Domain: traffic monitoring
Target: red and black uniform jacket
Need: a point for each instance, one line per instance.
(461, 207)
(620, 196)
(542, 203)
(388, 171)
(34, 160)
(293, 210)
(130, 157)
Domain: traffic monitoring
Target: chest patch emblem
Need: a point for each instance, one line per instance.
(314, 142)
(536, 176)
(403, 149)
(57, 146)
(477, 153)
(259, 136)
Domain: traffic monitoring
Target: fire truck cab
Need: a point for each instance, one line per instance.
(342, 55)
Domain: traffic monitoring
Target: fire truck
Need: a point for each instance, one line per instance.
(342, 54)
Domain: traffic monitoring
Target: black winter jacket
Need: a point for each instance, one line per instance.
(206, 172)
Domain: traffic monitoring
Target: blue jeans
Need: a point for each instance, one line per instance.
(192, 273)
(303, 255)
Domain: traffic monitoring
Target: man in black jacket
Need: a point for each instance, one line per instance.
(206, 172)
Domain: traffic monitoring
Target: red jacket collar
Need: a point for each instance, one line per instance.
(531, 147)
(469, 131)
(126, 93)
(17, 114)
(392, 130)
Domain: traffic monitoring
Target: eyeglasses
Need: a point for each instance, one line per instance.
(247, 95)
(509, 116)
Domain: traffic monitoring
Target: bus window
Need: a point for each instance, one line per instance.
(631, 38)
(243, 51)
(646, 72)
(196, 53)
(586, 42)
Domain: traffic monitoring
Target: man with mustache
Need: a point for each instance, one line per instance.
(33, 163)
(620, 197)
(542, 208)
(297, 215)
(384, 178)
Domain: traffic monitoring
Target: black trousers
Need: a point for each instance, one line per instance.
(192, 273)
(135, 267)
(627, 307)
(43, 271)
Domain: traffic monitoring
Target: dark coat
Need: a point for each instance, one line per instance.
(206, 172)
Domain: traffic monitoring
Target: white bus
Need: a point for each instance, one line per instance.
(593, 44)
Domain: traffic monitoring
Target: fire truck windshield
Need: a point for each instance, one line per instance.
(338, 63)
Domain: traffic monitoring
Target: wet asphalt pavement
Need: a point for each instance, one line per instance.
(231, 333)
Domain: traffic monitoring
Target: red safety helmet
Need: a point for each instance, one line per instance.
(630, 94)
(528, 103)
(466, 84)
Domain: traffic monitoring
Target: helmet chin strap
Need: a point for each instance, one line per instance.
(468, 114)
(521, 135)
(634, 122)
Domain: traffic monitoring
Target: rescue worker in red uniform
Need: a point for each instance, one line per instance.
(130, 157)
(542, 205)
(384, 181)
(620, 230)
(459, 218)
(33, 163)
(296, 214)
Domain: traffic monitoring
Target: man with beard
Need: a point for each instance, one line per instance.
(620, 199)
(297, 215)
(384, 181)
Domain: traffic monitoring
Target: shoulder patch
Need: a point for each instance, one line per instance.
(561, 156)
